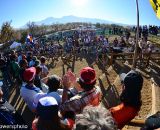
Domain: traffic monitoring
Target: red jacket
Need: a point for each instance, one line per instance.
(123, 114)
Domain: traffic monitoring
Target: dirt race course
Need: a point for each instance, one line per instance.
(105, 76)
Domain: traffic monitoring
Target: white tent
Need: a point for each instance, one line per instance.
(1, 45)
(15, 45)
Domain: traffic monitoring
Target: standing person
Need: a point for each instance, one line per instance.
(140, 50)
(45, 71)
(29, 57)
(29, 90)
(32, 62)
(4, 71)
(15, 67)
(19, 57)
(48, 117)
(23, 66)
(127, 35)
(130, 98)
(37, 80)
(90, 94)
(53, 82)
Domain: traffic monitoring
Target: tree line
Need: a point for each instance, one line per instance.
(8, 33)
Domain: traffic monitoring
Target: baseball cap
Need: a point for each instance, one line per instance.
(87, 75)
(132, 79)
(47, 108)
(29, 74)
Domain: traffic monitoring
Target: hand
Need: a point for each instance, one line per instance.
(66, 81)
(72, 77)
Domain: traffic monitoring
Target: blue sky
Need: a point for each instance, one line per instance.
(121, 11)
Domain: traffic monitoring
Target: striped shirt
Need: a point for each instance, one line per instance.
(78, 102)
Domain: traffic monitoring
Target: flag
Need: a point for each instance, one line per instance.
(156, 7)
(29, 39)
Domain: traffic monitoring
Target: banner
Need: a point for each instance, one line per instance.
(156, 7)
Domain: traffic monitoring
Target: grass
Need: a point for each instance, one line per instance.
(154, 39)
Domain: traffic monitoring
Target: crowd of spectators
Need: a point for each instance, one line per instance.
(72, 102)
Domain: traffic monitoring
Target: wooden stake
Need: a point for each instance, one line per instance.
(137, 37)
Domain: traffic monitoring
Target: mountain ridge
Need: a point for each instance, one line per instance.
(72, 18)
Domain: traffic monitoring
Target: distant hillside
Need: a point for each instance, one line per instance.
(69, 19)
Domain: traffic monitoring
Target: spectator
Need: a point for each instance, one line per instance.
(37, 80)
(37, 63)
(4, 71)
(32, 62)
(91, 95)
(45, 71)
(53, 82)
(23, 66)
(106, 43)
(29, 90)
(24, 57)
(19, 57)
(127, 35)
(130, 98)
(48, 118)
(140, 50)
(115, 42)
(95, 118)
(15, 67)
(122, 43)
(29, 57)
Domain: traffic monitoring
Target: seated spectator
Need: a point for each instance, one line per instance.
(48, 117)
(130, 99)
(95, 118)
(29, 90)
(45, 71)
(91, 95)
(122, 43)
(106, 43)
(115, 42)
(152, 122)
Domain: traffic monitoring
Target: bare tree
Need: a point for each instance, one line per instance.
(32, 27)
(7, 32)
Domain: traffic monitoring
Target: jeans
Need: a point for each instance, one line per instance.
(152, 122)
